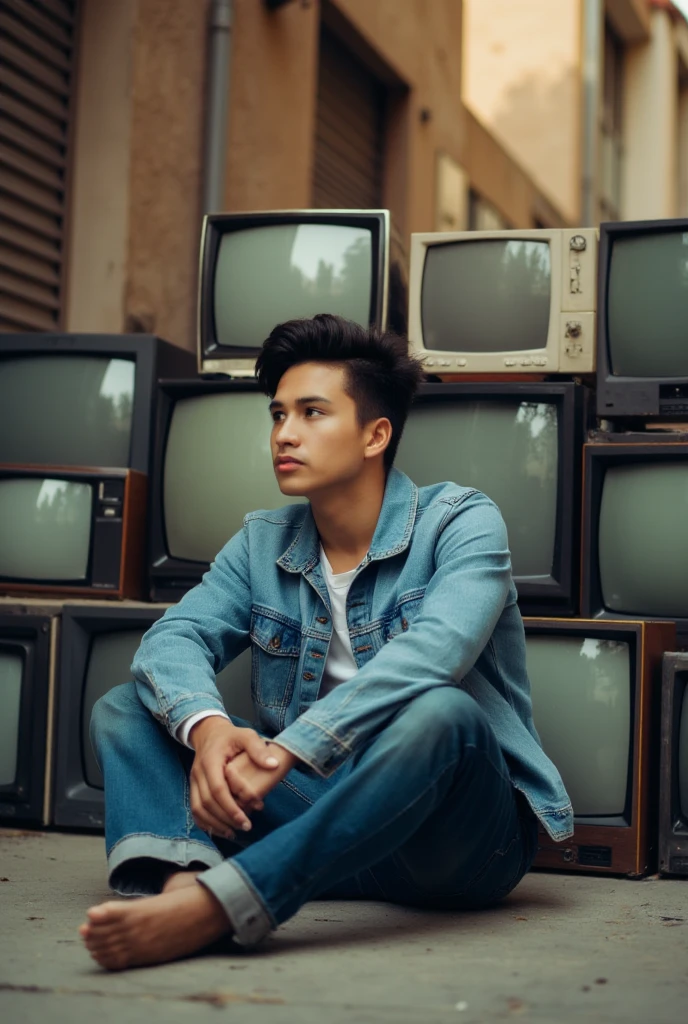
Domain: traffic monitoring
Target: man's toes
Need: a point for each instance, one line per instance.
(105, 913)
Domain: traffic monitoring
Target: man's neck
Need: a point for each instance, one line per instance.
(346, 520)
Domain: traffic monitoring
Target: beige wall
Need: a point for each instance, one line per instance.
(650, 124)
(135, 200)
(521, 77)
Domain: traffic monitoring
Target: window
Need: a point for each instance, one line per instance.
(611, 143)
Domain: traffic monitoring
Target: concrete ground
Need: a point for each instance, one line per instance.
(561, 948)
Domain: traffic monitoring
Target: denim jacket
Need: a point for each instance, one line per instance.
(433, 604)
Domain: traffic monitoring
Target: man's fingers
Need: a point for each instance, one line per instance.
(257, 749)
(217, 800)
(241, 789)
(203, 818)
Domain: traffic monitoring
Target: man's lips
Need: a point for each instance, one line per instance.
(287, 462)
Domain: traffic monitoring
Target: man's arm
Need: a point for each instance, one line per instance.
(175, 666)
(462, 605)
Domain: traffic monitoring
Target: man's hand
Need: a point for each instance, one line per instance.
(250, 782)
(217, 742)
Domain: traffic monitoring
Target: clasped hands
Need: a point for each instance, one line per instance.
(233, 771)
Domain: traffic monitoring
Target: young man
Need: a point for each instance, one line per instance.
(394, 755)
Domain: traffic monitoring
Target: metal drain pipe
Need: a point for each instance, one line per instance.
(220, 20)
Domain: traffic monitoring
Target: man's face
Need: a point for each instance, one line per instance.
(316, 441)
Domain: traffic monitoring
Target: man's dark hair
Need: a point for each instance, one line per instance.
(380, 375)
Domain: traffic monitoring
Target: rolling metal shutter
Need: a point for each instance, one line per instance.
(349, 131)
(36, 72)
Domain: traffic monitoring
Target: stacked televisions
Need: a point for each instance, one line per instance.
(507, 323)
(502, 305)
(77, 413)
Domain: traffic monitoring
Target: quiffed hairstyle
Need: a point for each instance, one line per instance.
(381, 376)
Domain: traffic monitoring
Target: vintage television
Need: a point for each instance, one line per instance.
(673, 786)
(27, 654)
(635, 532)
(259, 269)
(495, 302)
(72, 531)
(212, 465)
(642, 350)
(96, 651)
(596, 690)
(521, 444)
(83, 399)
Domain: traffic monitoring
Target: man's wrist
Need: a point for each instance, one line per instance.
(199, 730)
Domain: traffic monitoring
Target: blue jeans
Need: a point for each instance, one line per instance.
(424, 815)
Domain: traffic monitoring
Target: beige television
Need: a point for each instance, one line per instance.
(496, 302)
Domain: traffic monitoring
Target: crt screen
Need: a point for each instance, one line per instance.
(108, 665)
(581, 690)
(11, 670)
(643, 539)
(266, 275)
(648, 305)
(683, 757)
(66, 410)
(218, 467)
(46, 529)
(486, 296)
(508, 450)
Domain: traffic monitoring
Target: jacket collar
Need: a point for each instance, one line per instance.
(392, 533)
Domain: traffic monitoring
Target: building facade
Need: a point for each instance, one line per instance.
(529, 68)
(329, 103)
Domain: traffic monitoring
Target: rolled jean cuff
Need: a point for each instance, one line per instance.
(136, 881)
(247, 914)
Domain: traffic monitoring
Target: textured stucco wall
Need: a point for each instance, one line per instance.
(135, 221)
(168, 87)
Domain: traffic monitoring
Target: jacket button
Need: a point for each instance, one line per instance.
(404, 624)
(322, 618)
(275, 643)
(308, 676)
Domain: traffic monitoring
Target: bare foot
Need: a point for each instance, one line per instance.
(154, 929)
(180, 880)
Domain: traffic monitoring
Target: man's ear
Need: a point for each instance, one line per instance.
(379, 436)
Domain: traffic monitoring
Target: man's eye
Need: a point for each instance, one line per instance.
(318, 412)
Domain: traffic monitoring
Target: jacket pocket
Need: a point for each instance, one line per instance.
(276, 646)
(406, 610)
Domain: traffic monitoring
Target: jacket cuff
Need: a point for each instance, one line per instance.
(313, 744)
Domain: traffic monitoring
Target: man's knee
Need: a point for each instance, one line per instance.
(445, 710)
(113, 707)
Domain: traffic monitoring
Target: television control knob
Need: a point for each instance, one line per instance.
(429, 362)
(574, 329)
(509, 362)
(461, 362)
(578, 243)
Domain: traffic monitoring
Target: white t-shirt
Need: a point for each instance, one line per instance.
(339, 665)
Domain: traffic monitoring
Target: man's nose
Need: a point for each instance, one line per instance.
(286, 432)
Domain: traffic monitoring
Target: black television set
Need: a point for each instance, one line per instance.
(642, 344)
(27, 651)
(596, 690)
(635, 532)
(83, 399)
(97, 647)
(260, 269)
(211, 465)
(673, 788)
(72, 531)
(521, 444)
